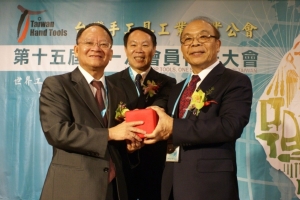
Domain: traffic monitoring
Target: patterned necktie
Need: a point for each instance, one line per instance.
(186, 95)
(98, 85)
(138, 84)
(99, 98)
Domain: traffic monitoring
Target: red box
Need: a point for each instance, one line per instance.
(149, 117)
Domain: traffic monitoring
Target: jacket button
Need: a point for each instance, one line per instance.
(105, 169)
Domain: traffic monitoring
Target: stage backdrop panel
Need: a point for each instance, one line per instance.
(259, 39)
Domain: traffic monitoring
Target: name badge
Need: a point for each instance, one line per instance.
(172, 153)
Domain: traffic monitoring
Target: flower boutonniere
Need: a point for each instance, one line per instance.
(151, 88)
(199, 99)
(120, 112)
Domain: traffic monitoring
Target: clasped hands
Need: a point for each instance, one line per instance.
(127, 131)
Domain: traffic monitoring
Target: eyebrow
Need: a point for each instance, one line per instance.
(145, 41)
(201, 32)
(97, 40)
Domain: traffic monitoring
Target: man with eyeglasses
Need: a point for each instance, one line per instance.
(207, 113)
(77, 113)
(143, 172)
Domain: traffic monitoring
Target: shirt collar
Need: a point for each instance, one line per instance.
(89, 78)
(144, 74)
(206, 71)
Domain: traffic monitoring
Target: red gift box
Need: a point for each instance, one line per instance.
(149, 117)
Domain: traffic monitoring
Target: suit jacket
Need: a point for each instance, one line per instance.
(207, 166)
(73, 125)
(144, 171)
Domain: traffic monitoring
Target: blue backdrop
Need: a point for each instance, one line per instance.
(259, 38)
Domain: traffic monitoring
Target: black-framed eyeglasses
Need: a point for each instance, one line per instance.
(188, 40)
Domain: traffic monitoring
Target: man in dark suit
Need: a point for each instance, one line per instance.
(144, 171)
(203, 131)
(83, 132)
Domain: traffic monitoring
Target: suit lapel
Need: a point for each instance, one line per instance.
(143, 100)
(174, 95)
(128, 85)
(212, 78)
(112, 102)
(152, 76)
(84, 91)
(205, 85)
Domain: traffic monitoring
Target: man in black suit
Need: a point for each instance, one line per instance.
(84, 135)
(207, 114)
(143, 175)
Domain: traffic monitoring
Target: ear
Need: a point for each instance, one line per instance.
(111, 54)
(153, 51)
(125, 50)
(218, 45)
(76, 50)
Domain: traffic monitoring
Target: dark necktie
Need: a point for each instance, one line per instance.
(99, 98)
(98, 85)
(138, 84)
(186, 95)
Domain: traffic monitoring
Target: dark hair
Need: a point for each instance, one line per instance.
(209, 21)
(145, 30)
(93, 24)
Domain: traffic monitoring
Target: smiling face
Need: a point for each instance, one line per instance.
(200, 55)
(139, 50)
(92, 57)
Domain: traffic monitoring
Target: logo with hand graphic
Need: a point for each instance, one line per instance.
(25, 17)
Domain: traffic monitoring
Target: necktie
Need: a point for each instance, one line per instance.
(99, 98)
(138, 84)
(186, 95)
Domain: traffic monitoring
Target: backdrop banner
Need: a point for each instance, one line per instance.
(259, 38)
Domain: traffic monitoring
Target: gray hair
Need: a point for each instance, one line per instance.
(209, 21)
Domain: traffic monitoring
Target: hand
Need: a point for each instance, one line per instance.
(133, 146)
(164, 127)
(126, 131)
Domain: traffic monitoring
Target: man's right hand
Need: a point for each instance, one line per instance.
(126, 131)
(164, 127)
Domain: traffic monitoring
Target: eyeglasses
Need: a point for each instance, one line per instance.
(101, 44)
(188, 40)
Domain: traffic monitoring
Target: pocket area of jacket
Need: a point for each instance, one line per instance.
(66, 159)
(215, 165)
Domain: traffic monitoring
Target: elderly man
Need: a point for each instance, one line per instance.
(207, 114)
(77, 115)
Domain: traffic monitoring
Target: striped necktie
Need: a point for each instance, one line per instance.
(186, 95)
